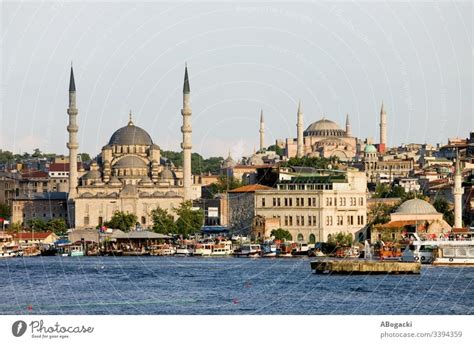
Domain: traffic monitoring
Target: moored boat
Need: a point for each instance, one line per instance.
(248, 250)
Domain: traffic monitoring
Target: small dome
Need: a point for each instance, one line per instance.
(324, 127)
(416, 207)
(144, 194)
(171, 194)
(87, 195)
(166, 174)
(370, 149)
(113, 195)
(158, 194)
(92, 175)
(131, 135)
(255, 160)
(146, 181)
(115, 181)
(228, 162)
(129, 190)
(130, 161)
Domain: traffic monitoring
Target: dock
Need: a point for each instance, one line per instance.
(345, 266)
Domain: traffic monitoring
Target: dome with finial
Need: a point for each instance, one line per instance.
(130, 135)
(324, 127)
(228, 162)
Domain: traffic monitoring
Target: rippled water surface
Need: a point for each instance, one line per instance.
(161, 285)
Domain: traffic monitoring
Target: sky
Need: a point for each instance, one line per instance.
(337, 58)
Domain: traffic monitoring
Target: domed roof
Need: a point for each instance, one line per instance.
(130, 135)
(130, 161)
(324, 127)
(416, 206)
(370, 149)
(146, 181)
(166, 174)
(92, 175)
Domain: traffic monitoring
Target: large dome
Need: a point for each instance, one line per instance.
(130, 161)
(416, 207)
(324, 127)
(131, 135)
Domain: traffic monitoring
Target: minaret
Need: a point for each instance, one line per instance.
(72, 128)
(299, 132)
(348, 126)
(458, 191)
(262, 131)
(186, 130)
(383, 130)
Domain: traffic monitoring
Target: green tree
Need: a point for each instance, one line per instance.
(5, 211)
(85, 157)
(15, 227)
(58, 226)
(442, 206)
(341, 239)
(36, 153)
(121, 220)
(318, 163)
(190, 221)
(224, 183)
(198, 163)
(380, 212)
(279, 151)
(162, 221)
(6, 156)
(281, 234)
(36, 224)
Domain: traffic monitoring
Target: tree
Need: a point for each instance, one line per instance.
(58, 226)
(281, 234)
(341, 239)
(380, 212)
(121, 220)
(162, 221)
(5, 156)
(36, 224)
(189, 221)
(36, 153)
(442, 206)
(85, 157)
(279, 151)
(224, 183)
(5, 211)
(318, 163)
(15, 227)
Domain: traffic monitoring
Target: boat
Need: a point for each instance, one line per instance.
(388, 251)
(10, 251)
(75, 251)
(248, 250)
(184, 250)
(31, 251)
(286, 249)
(301, 249)
(222, 249)
(460, 253)
(161, 250)
(203, 249)
(268, 250)
(440, 252)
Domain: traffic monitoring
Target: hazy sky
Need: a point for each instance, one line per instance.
(337, 58)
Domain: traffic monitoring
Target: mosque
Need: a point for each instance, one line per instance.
(129, 175)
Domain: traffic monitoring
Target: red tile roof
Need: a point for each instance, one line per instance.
(251, 188)
(34, 174)
(31, 236)
(62, 167)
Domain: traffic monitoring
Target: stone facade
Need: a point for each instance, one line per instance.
(312, 208)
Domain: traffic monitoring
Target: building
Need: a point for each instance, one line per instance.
(59, 175)
(43, 205)
(412, 216)
(35, 238)
(129, 175)
(241, 208)
(314, 207)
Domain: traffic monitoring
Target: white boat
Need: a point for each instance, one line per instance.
(184, 250)
(203, 249)
(269, 250)
(248, 250)
(460, 253)
(76, 251)
(222, 249)
(162, 250)
(440, 252)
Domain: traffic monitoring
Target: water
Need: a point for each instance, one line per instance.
(177, 285)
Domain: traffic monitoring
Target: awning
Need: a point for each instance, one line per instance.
(214, 229)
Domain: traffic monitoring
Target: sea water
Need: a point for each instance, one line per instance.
(187, 285)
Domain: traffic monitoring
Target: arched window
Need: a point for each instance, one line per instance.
(143, 220)
(300, 237)
(312, 239)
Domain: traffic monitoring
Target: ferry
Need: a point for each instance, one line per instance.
(9, 251)
(248, 250)
(184, 250)
(76, 251)
(162, 250)
(440, 252)
(203, 249)
(222, 248)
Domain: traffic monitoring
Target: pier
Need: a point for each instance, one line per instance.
(364, 267)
